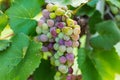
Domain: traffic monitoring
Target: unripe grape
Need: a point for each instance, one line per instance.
(76, 31)
(56, 56)
(40, 22)
(60, 35)
(67, 30)
(75, 37)
(114, 9)
(43, 38)
(117, 17)
(38, 30)
(57, 78)
(44, 26)
(53, 32)
(57, 62)
(49, 35)
(57, 39)
(52, 61)
(52, 15)
(69, 50)
(70, 22)
(56, 46)
(45, 13)
(75, 43)
(58, 74)
(49, 7)
(63, 69)
(58, 30)
(60, 53)
(59, 12)
(68, 43)
(66, 38)
(54, 8)
(62, 48)
(62, 59)
(50, 22)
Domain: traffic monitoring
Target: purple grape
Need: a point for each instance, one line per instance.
(44, 49)
(45, 13)
(50, 23)
(69, 77)
(58, 18)
(61, 25)
(68, 43)
(62, 59)
(50, 46)
(53, 31)
(70, 57)
(61, 42)
(40, 22)
(43, 38)
(70, 70)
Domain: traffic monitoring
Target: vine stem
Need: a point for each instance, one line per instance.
(7, 36)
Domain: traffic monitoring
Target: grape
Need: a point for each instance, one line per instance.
(52, 15)
(50, 22)
(45, 13)
(43, 38)
(63, 69)
(75, 44)
(59, 12)
(114, 9)
(59, 35)
(38, 30)
(49, 7)
(40, 22)
(69, 50)
(60, 25)
(62, 48)
(44, 26)
(62, 59)
(61, 42)
(68, 43)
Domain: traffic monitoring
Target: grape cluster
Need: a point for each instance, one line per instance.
(59, 35)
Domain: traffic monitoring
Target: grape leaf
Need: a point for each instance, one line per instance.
(87, 67)
(3, 21)
(102, 64)
(13, 55)
(21, 15)
(115, 2)
(92, 3)
(45, 71)
(30, 62)
(74, 3)
(108, 35)
(4, 44)
(94, 19)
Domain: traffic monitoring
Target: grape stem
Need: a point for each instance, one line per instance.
(7, 36)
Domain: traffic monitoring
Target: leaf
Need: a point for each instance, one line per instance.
(85, 10)
(3, 21)
(74, 3)
(94, 19)
(108, 35)
(45, 71)
(4, 44)
(101, 63)
(30, 62)
(115, 2)
(92, 3)
(13, 55)
(87, 67)
(21, 15)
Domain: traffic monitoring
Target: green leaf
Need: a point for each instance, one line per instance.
(13, 55)
(115, 2)
(21, 15)
(74, 3)
(92, 3)
(94, 19)
(88, 69)
(4, 44)
(86, 10)
(45, 71)
(3, 21)
(30, 62)
(108, 35)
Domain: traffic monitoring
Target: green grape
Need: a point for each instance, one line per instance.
(49, 35)
(56, 56)
(57, 62)
(117, 17)
(54, 8)
(62, 48)
(59, 12)
(60, 35)
(49, 7)
(44, 26)
(38, 30)
(69, 50)
(52, 15)
(114, 9)
(56, 46)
